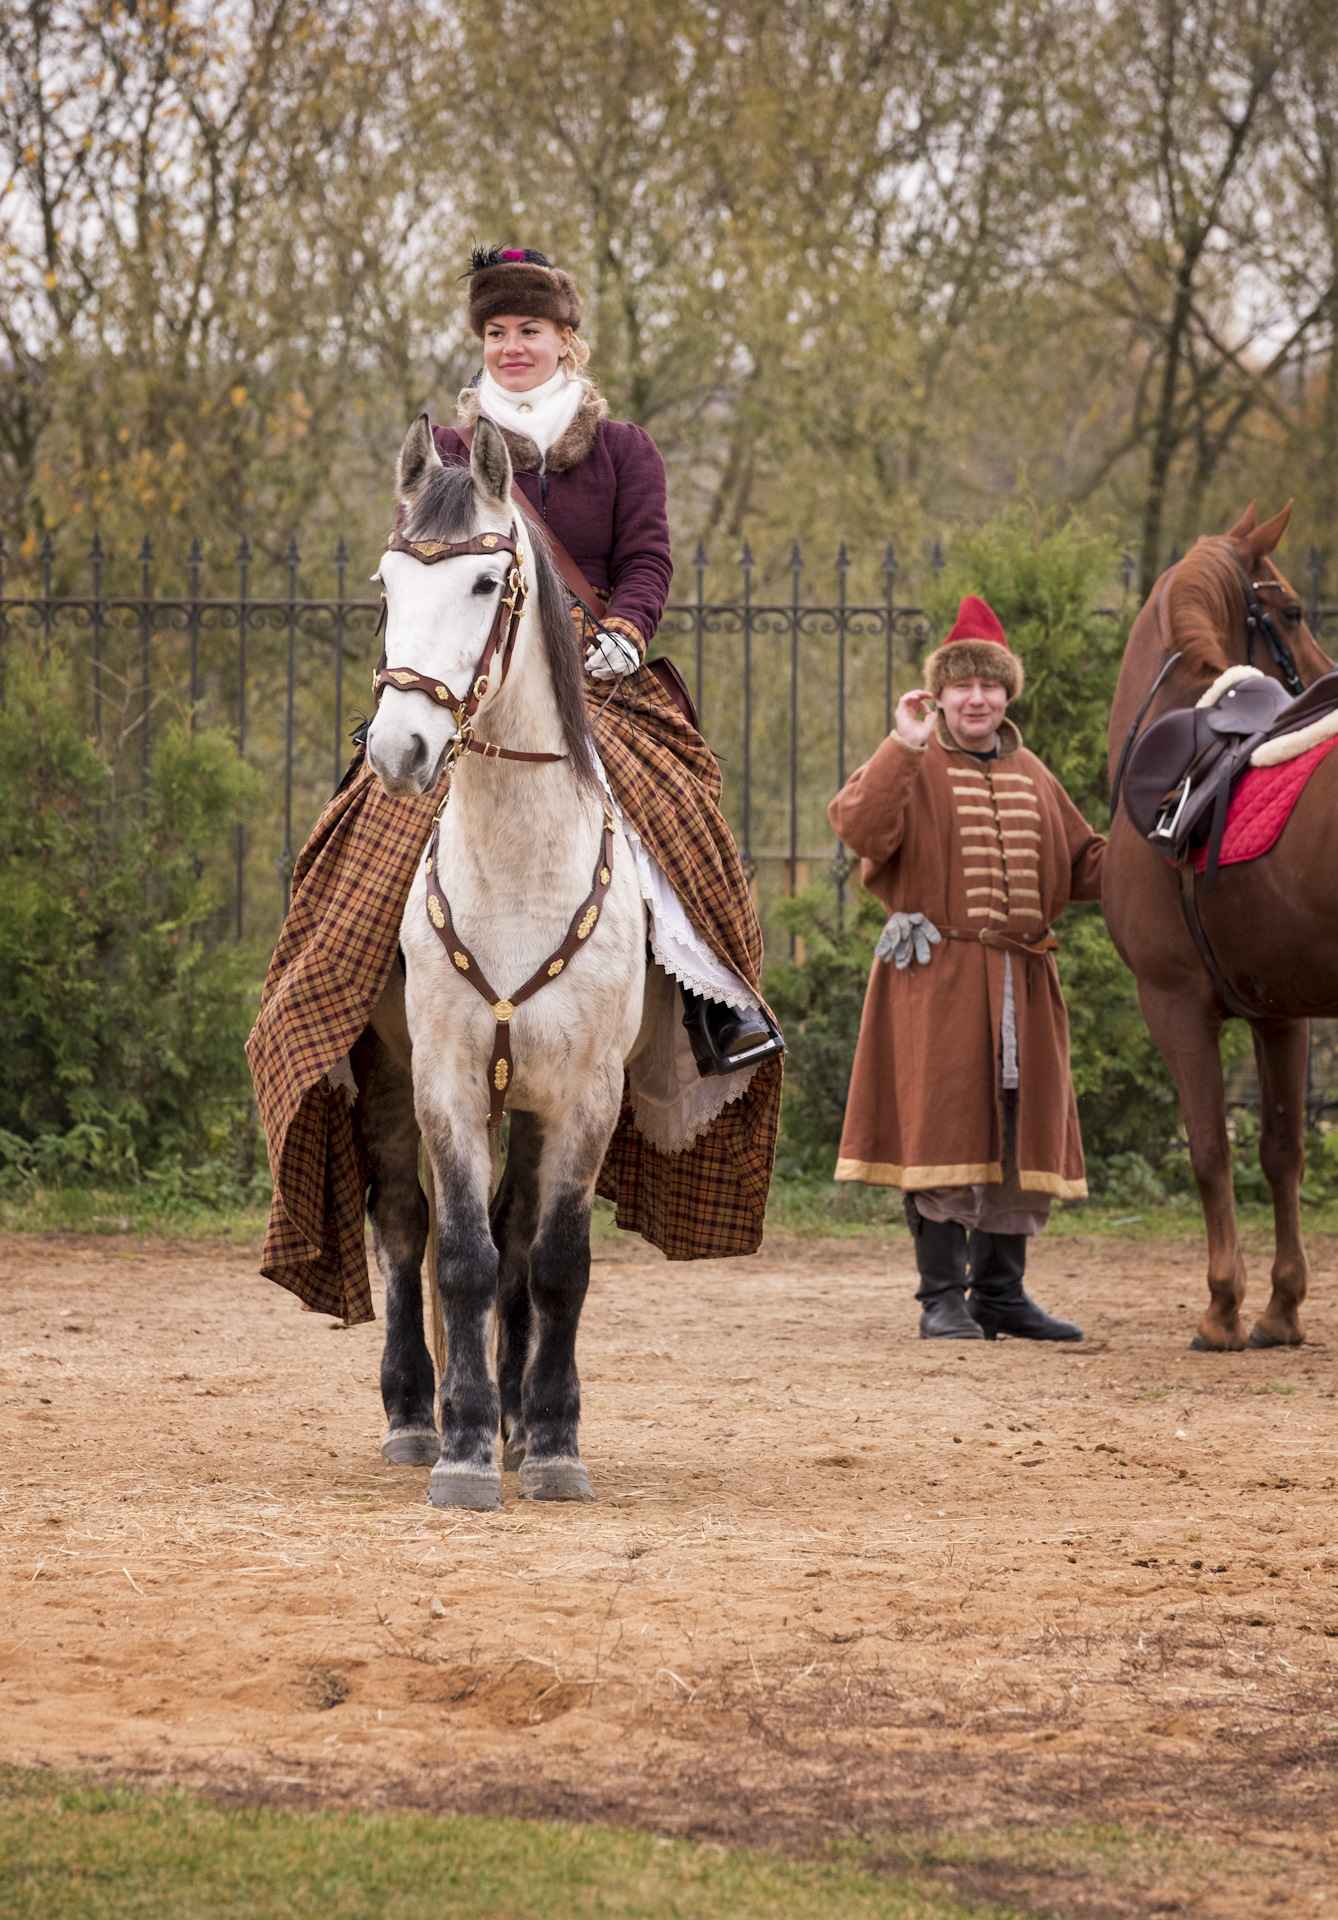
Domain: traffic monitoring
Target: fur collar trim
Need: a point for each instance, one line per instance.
(567, 451)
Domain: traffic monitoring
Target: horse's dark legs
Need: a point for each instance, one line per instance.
(559, 1277)
(398, 1210)
(1281, 1049)
(1186, 1031)
(467, 1474)
(513, 1216)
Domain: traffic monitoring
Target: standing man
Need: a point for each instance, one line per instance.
(961, 1094)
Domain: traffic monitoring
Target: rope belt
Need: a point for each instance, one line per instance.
(582, 926)
(1027, 946)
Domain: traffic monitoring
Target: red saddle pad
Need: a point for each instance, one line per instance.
(1261, 807)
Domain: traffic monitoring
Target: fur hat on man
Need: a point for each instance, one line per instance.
(519, 280)
(976, 649)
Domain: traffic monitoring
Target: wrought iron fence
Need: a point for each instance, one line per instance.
(792, 692)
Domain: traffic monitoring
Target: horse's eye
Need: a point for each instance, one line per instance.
(1291, 613)
(485, 584)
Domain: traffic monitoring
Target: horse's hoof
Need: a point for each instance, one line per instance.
(1199, 1345)
(554, 1480)
(1260, 1337)
(513, 1453)
(452, 1486)
(411, 1446)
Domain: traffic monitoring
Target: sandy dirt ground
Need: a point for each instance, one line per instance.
(837, 1580)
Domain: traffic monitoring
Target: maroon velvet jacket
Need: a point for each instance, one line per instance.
(603, 495)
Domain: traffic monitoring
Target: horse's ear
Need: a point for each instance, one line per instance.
(418, 458)
(1244, 527)
(490, 464)
(1265, 538)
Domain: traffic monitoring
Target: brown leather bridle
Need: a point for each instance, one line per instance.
(500, 644)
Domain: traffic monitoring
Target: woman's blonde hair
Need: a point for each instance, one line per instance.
(577, 355)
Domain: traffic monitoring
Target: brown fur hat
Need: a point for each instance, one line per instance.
(976, 649)
(519, 280)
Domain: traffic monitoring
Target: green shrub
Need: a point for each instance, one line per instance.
(122, 1013)
(818, 1001)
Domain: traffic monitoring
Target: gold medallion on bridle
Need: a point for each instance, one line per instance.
(461, 961)
(501, 1074)
(489, 540)
(604, 876)
(434, 912)
(443, 694)
(555, 969)
(591, 915)
(502, 1010)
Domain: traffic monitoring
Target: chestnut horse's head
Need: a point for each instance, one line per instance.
(1205, 605)
(1199, 610)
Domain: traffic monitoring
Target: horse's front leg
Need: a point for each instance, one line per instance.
(382, 1067)
(1281, 1051)
(514, 1216)
(1186, 1030)
(467, 1474)
(573, 1152)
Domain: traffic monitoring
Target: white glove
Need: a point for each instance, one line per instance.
(611, 656)
(907, 937)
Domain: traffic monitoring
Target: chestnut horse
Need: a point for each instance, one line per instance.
(1271, 923)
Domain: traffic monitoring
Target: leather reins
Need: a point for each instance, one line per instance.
(500, 644)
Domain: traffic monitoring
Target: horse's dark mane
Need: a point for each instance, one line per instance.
(444, 509)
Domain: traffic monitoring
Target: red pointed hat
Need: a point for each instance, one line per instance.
(979, 651)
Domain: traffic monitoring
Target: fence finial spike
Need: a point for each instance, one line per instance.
(196, 555)
(936, 557)
(796, 558)
(48, 552)
(699, 557)
(341, 553)
(146, 550)
(842, 558)
(889, 558)
(747, 559)
(244, 550)
(292, 557)
(1127, 570)
(95, 551)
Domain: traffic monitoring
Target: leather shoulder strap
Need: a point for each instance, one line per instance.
(589, 596)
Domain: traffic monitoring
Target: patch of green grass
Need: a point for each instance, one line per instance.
(138, 1210)
(1156, 1393)
(73, 1851)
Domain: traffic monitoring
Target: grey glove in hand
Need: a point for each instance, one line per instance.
(907, 937)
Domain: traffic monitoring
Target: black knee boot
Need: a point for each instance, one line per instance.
(940, 1256)
(998, 1302)
(726, 1038)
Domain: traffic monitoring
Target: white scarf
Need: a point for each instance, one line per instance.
(542, 413)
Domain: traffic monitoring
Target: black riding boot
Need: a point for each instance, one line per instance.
(940, 1256)
(998, 1302)
(726, 1038)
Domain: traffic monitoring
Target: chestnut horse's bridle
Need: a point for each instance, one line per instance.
(498, 646)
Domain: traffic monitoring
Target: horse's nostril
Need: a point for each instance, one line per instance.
(418, 758)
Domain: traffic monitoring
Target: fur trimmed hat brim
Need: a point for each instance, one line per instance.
(974, 660)
(521, 287)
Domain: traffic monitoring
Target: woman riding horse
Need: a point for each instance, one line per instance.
(597, 487)
(690, 1162)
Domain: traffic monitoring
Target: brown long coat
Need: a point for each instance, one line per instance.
(975, 845)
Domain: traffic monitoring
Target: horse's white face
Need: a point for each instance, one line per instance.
(437, 623)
